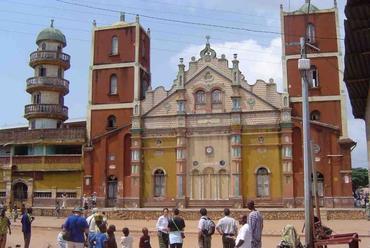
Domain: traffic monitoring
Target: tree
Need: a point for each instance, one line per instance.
(360, 178)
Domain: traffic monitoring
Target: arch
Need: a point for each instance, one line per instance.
(196, 185)
(209, 184)
(43, 46)
(114, 50)
(112, 185)
(315, 115)
(111, 121)
(20, 190)
(158, 168)
(36, 97)
(200, 97)
(310, 33)
(263, 182)
(223, 184)
(314, 76)
(113, 85)
(262, 167)
(216, 96)
(159, 182)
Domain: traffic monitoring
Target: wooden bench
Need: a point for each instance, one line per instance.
(348, 238)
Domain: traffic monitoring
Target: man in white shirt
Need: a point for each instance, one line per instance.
(244, 239)
(227, 227)
(92, 225)
(204, 240)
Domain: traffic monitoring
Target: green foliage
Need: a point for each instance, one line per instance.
(360, 178)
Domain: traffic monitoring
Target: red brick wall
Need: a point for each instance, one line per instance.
(144, 53)
(101, 84)
(327, 74)
(295, 27)
(99, 119)
(103, 46)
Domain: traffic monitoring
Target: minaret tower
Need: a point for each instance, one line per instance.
(48, 86)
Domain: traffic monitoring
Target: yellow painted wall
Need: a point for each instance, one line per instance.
(163, 156)
(253, 158)
(62, 180)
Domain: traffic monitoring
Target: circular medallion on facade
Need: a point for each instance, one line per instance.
(195, 163)
(209, 150)
(316, 148)
(222, 162)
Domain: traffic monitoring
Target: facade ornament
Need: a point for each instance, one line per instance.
(192, 59)
(122, 16)
(251, 102)
(94, 23)
(137, 18)
(208, 53)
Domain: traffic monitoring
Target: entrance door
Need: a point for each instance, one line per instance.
(20, 193)
(112, 191)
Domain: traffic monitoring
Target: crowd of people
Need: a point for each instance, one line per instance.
(94, 231)
(26, 220)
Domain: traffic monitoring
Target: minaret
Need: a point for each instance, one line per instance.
(48, 86)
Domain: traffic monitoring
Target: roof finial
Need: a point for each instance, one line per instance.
(122, 16)
(207, 38)
(52, 23)
(307, 1)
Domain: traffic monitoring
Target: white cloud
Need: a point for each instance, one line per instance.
(256, 61)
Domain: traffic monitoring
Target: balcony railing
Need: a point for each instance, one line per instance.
(46, 110)
(23, 136)
(49, 82)
(42, 56)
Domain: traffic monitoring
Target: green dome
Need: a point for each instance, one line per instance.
(52, 34)
(304, 8)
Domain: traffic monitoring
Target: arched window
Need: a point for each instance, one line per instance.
(113, 85)
(114, 45)
(315, 115)
(43, 46)
(159, 183)
(263, 183)
(315, 76)
(200, 97)
(42, 71)
(216, 96)
(310, 33)
(111, 121)
(36, 98)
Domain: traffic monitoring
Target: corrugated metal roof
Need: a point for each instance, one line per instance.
(357, 57)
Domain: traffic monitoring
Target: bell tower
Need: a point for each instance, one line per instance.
(328, 118)
(119, 78)
(48, 86)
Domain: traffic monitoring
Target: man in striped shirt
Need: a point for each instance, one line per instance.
(255, 222)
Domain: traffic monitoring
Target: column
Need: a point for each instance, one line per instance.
(236, 160)
(181, 195)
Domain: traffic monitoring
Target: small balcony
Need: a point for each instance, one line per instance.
(48, 83)
(25, 136)
(53, 111)
(49, 57)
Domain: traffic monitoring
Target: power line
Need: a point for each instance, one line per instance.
(187, 22)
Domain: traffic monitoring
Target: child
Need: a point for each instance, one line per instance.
(145, 239)
(100, 238)
(111, 242)
(126, 240)
(60, 241)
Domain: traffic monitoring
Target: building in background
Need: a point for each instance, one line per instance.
(44, 160)
(357, 61)
(330, 142)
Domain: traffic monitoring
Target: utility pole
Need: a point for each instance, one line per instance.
(304, 67)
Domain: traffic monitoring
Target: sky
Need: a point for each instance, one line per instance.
(259, 53)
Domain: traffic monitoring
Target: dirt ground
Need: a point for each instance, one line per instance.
(46, 229)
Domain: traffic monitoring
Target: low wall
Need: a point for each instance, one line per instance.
(193, 214)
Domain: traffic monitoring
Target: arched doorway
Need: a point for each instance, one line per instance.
(20, 191)
(320, 187)
(112, 191)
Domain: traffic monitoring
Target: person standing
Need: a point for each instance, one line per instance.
(57, 209)
(244, 237)
(204, 239)
(64, 199)
(111, 242)
(126, 239)
(145, 239)
(162, 229)
(4, 228)
(255, 221)
(176, 227)
(92, 226)
(76, 227)
(227, 227)
(26, 221)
